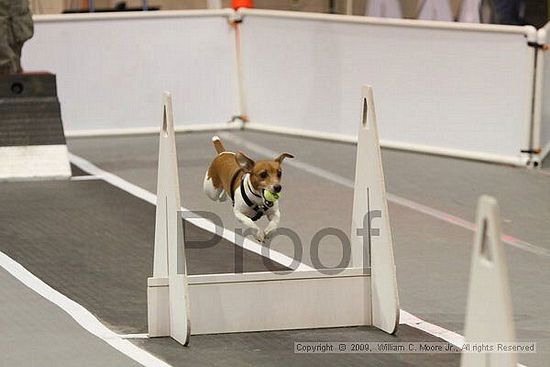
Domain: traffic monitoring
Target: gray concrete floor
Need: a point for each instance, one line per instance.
(432, 256)
(275, 349)
(93, 242)
(35, 332)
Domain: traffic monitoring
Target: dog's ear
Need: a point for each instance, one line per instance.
(283, 156)
(246, 163)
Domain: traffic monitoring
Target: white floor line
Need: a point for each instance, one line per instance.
(200, 222)
(85, 178)
(455, 339)
(79, 314)
(134, 336)
(406, 318)
(438, 214)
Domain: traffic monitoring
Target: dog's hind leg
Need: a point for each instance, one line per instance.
(210, 190)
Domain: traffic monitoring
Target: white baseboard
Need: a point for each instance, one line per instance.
(390, 144)
(151, 130)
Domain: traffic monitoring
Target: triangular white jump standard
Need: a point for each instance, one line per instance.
(168, 291)
(371, 237)
(489, 310)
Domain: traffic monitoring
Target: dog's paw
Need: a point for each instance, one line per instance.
(260, 236)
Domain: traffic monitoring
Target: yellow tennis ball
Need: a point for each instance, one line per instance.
(271, 196)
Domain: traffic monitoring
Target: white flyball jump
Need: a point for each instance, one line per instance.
(168, 291)
(489, 309)
(371, 221)
(180, 305)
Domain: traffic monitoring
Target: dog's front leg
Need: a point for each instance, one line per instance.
(259, 234)
(274, 217)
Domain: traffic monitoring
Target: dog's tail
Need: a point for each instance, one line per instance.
(218, 144)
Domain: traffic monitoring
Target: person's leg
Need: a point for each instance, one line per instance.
(22, 29)
(508, 11)
(16, 48)
(7, 56)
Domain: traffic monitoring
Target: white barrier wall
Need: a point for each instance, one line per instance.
(446, 88)
(544, 97)
(111, 68)
(463, 90)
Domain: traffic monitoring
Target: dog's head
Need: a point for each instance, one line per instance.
(264, 174)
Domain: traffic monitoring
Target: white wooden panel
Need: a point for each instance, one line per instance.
(545, 97)
(279, 275)
(280, 304)
(111, 68)
(489, 310)
(158, 309)
(169, 261)
(458, 89)
(371, 218)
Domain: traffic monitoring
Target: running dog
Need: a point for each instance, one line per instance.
(253, 187)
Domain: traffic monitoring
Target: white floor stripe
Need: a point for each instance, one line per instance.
(79, 314)
(133, 336)
(406, 318)
(200, 222)
(85, 178)
(446, 217)
(455, 339)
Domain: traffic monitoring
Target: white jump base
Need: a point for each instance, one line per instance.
(260, 301)
(266, 301)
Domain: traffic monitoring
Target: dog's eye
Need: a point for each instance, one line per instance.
(263, 174)
(279, 174)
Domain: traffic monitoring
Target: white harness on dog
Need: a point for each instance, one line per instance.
(259, 210)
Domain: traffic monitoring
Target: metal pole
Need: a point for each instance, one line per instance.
(349, 7)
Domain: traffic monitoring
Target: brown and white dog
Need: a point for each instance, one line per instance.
(237, 176)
